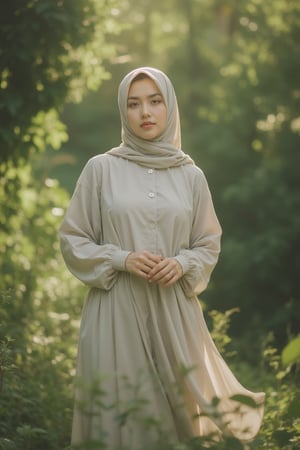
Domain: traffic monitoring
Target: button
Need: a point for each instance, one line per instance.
(151, 194)
(150, 170)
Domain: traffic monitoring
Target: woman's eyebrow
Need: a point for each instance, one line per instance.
(149, 96)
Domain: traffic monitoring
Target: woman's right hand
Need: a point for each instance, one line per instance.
(140, 263)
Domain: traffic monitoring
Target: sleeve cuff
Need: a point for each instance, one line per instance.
(118, 259)
(183, 262)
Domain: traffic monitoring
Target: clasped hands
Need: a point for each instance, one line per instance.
(154, 268)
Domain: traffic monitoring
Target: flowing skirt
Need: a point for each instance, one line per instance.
(148, 370)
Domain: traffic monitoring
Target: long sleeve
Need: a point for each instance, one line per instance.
(94, 263)
(199, 260)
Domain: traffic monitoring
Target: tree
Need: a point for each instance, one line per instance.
(52, 52)
(259, 204)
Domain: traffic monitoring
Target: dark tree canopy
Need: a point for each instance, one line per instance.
(51, 51)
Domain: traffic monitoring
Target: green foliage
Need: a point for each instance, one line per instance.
(6, 359)
(51, 51)
(281, 429)
(259, 204)
(220, 325)
(36, 398)
(291, 352)
(235, 67)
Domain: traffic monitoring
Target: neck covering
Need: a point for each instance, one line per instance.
(164, 151)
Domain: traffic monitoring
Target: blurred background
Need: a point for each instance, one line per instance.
(235, 67)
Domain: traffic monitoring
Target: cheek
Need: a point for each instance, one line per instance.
(131, 118)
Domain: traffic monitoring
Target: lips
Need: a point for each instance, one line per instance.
(147, 124)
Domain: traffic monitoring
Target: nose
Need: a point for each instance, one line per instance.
(145, 110)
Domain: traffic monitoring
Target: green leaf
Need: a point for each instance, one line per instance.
(245, 400)
(294, 409)
(282, 437)
(291, 353)
(233, 444)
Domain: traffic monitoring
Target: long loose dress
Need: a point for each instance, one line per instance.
(144, 346)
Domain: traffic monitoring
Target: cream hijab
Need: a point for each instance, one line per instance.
(164, 151)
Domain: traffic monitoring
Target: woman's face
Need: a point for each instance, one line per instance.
(146, 109)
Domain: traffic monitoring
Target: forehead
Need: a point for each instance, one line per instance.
(143, 88)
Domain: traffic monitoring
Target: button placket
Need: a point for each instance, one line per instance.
(151, 194)
(152, 197)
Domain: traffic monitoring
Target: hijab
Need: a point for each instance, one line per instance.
(164, 151)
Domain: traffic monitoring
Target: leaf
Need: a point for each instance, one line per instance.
(294, 409)
(291, 352)
(233, 444)
(245, 400)
(282, 437)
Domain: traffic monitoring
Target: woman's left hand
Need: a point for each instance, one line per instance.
(166, 272)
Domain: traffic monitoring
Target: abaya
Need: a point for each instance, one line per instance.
(147, 364)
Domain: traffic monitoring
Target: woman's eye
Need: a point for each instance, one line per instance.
(132, 104)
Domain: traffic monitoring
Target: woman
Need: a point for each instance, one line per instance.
(142, 233)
